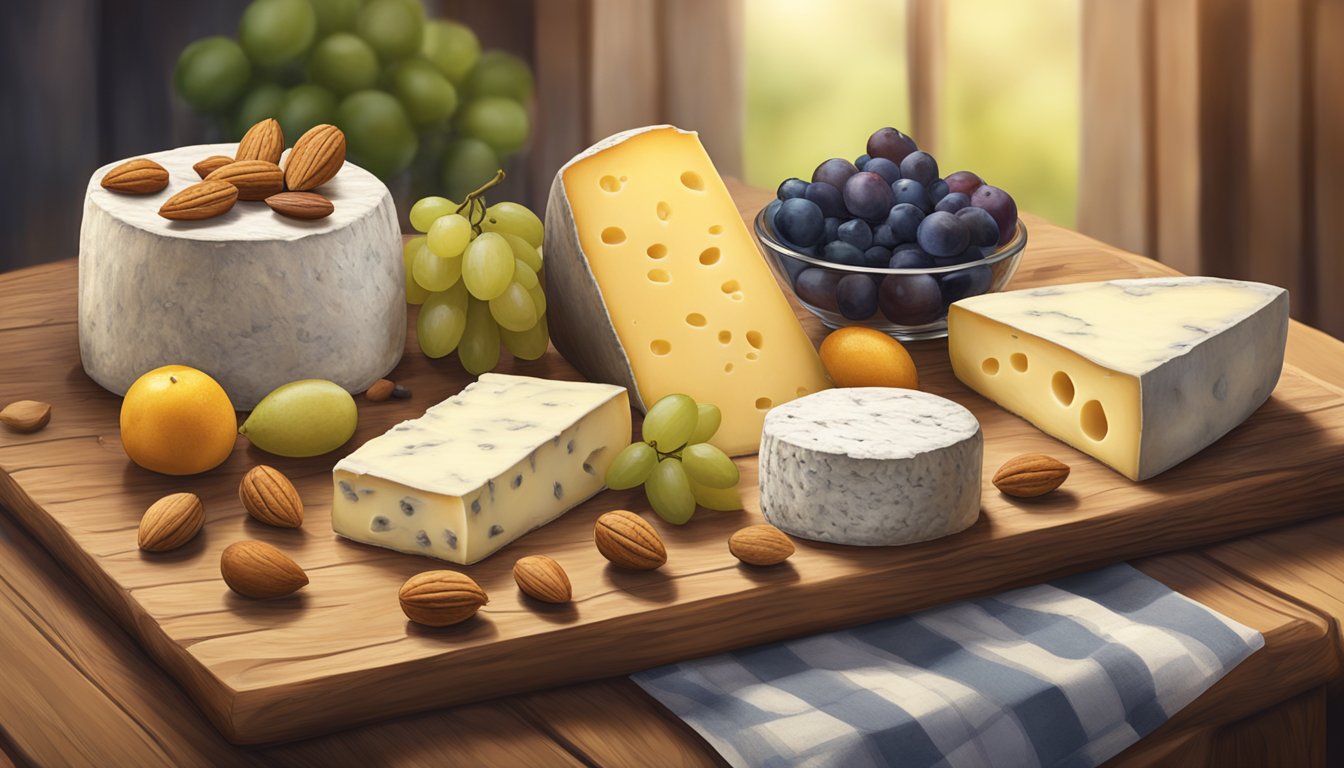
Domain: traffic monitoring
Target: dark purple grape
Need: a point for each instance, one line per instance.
(942, 234)
(792, 266)
(834, 171)
(952, 202)
(791, 188)
(1001, 206)
(883, 167)
(861, 161)
(921, 167)
(799, 222)
(770, 211)
(972, 253)
(910, 257)
(868, 196)
(827, 198)
(910, 299)
(856, 297)
(877, 256)
(937, 191)
(912, 192)
(971, 281)
(984, 230)
(840, 252)
(885, 237)
(831, 229)
(857, 233)
(904, 220)
(891, 144)
(964, 182)
(816, 286)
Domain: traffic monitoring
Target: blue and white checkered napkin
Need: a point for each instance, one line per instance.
(1067, 673)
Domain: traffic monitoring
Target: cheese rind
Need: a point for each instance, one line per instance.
(871, 466)
(665, 289)
(1140, 374)
(504, 456)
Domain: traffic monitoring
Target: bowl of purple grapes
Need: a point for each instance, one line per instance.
(887, 242)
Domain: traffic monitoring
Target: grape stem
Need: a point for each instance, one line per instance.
(672, 454)
(475, 202)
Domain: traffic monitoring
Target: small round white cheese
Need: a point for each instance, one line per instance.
(871, 466)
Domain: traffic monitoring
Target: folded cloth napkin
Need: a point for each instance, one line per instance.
(1066, 673)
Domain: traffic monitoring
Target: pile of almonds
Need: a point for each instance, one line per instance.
(253, 173)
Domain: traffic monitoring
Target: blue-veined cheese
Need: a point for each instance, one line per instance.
(1140, 374)
(505, 455)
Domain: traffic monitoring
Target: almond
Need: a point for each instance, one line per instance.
(263, 141)
(628, 541)
(441, 598)
(255, 179)
(171, 522)
(271, 498)
(140, 176)
(301, 205)
(200, 201)
(211, 164)
(542, 578)
(1031, 474)
(315, 158)
(380, 390)
(256, 569)
(26, 416)
(760, 545)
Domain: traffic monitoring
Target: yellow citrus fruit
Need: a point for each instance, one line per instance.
(178, 421)
(862, 357)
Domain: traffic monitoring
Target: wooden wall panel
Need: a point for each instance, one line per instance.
(562, 102)
(1328, 167)
(1177, 160)
(625, 66)
(704, 76)
(926, 35)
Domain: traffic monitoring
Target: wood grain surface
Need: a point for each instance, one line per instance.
(340, 652)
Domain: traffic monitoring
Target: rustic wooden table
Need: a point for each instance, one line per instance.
(79, 690)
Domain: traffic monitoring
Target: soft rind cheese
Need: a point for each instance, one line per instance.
(665, 290)
(871, 466)
(505, 455)
(252, 298)
(1140, 374)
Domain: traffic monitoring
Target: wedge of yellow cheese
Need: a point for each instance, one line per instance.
(657, 285)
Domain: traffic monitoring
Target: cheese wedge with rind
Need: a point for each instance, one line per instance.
(1140, 374)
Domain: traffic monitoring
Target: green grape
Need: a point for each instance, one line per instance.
(524, 276)
(260, 103)
(434, 272)
(467, 164)
(335, 15)
(378, 134)
(276, 32)
(710, 417)
(479, 350)
(211, 73)
(527, 345)
(709, 466)
(415, 294)
(670, 422)
(523, 250)
(487, 266)
(514, 219)
(513, 309)
(632, 466)
(427, 210)
(343, 63)
(501, 123)
(450, 235)
(669, 492)
(423, 90)
(717, 499)
(452, 47)
(443, 318)
(306, 106)
(499, 73)
(309, 417)
(393, 28)
(538, 298)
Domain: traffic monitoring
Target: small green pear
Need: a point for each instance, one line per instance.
(302, 418)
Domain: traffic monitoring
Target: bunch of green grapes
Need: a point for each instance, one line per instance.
(404, 89)
(474, 275)
(675, 462)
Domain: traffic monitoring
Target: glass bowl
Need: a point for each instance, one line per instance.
(912, 303)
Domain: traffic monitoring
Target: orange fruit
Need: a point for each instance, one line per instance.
(178, 421)
(857, 356)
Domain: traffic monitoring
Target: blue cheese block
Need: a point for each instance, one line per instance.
(871, 466)
(504, 456)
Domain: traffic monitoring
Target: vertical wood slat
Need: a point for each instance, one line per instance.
(704, 76)
(1328, 146)
(926, 43)
(1176, 157)
(625, 69)
(562, 98)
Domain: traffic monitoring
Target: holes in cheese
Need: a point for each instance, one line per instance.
(710, 256)
(755, 339)
(716, 229)
(725, 337)
(730, 287)
(661, 346)
(1094, 420)
(990, 366)
(610, 184)
(613, 236)
(763, 403)
(1018, 361)
(1062, 386)
(659, 276)
(693, 180)
(664, 211)
(657, 251)
(697, 320)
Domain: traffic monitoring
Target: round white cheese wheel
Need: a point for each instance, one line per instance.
(871, 466)
(252, 298)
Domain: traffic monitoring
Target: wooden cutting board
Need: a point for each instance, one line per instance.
(340, 652)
